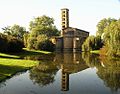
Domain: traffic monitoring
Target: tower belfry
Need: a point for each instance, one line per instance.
(65, 19)
(71, 39)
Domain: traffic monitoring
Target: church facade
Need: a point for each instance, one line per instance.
(71, 39)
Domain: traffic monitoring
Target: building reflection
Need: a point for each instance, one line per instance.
(108, 70)
(64, 79)
(71, 63)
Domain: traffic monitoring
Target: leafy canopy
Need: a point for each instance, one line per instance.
(43, 25)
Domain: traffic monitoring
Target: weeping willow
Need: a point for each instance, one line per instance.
(112, 39)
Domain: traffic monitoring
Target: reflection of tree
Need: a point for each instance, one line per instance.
(110, 73)
(41, 57)
(92, 60)
(43, 74)
(108, 69)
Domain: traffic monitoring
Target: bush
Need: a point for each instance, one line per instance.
(31, 42)
(25, 39)
(3, 43)
(14, 45)
(92, 43)
(46, 45)
(88, 45)
(40, 43)
(10, 44)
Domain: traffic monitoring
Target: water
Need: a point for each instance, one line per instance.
(68, 73)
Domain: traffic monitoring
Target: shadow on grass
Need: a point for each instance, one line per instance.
(23, 54)
(27, 52)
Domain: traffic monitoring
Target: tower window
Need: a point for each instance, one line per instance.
(63, 26)
(63, 15)
(63, 22)
(63, 11)
(63, 19)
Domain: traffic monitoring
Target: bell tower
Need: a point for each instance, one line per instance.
(65, 19)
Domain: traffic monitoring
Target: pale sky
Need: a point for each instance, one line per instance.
(84, 14)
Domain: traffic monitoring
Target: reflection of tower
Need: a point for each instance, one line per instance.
(65, 19)
(65, 80)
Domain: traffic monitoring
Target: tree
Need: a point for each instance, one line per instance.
(10, 44)
(15, 30)
(112, 39)
(41, 30)
(44, 73)
(7, 30)
(103, 24)
(25, 37)
(3, 43)
(92, 43)
(43, 25)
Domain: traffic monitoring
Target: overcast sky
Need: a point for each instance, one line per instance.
(84, 14)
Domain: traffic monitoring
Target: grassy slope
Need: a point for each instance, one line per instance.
(11, 63)
(95, 51)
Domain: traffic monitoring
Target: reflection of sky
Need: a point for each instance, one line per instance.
(84, 82)
(82, 79)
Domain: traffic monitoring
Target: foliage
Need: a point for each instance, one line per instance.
(14, 45)
(108, 69)
(43, 74)
(103, 24)
(15, 30)
(41, 43)
(41, 30)
(110, 72)
(3, 43)
(108, 38)
(43, 25)
(10, 44)
(112, 39)
(92, 43)
(25, 38)
(46, 45)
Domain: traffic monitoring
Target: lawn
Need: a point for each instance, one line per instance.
(95, 51)
(10, 64)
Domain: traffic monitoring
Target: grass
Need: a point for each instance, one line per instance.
(9, 67)
(95, 51)
(25, 52)
(10, 64)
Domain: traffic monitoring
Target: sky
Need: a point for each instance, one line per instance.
(83, 14)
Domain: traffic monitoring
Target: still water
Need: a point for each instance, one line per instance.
(66, 73)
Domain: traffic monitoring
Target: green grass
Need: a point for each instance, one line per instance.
(95, 51)
(25, 52)
(10, 64)
(3, 55)
(9, 67)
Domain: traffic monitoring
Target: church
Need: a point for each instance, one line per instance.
(71, 39)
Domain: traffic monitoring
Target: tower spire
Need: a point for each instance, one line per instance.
(65, 19)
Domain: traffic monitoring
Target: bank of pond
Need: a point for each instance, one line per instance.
(11, 63)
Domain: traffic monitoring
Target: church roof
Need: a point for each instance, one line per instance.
(74, 29)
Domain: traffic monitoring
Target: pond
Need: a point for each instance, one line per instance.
(66, 73)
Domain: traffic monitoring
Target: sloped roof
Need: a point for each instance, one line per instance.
(74, 29)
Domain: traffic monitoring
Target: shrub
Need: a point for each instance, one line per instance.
(92, 43)
(46, 45)
(3, 43)
(14, 45)
(10, 44)
(40, 42)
